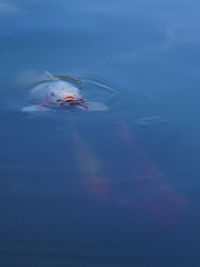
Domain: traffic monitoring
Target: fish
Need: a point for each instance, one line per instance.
(153, 195)
(56, 92)
(90, 169)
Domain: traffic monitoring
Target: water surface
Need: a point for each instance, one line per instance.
(112, 188)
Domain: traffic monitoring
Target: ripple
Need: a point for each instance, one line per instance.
(101, 91)
(152, 121)
(92, 89)
(129, 103)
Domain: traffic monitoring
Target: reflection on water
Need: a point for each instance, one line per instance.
(112, 188)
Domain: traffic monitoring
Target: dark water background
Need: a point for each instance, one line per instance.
(112, 188)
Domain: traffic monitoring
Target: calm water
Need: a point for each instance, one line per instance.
(112, 188)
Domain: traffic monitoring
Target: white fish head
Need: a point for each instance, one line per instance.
(47, 94)
(52, 90)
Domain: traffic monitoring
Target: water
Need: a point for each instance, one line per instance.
(111, 188)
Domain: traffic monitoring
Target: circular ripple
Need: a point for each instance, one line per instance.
(130, 103)
(93, 90)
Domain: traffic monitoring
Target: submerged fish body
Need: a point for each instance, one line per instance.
(54, 92)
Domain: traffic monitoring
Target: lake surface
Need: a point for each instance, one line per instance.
(111, 188)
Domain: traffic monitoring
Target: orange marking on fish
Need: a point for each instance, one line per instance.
(70, 97)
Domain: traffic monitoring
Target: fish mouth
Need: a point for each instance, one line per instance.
(71, 100)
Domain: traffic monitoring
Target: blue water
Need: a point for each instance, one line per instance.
(113, 188)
